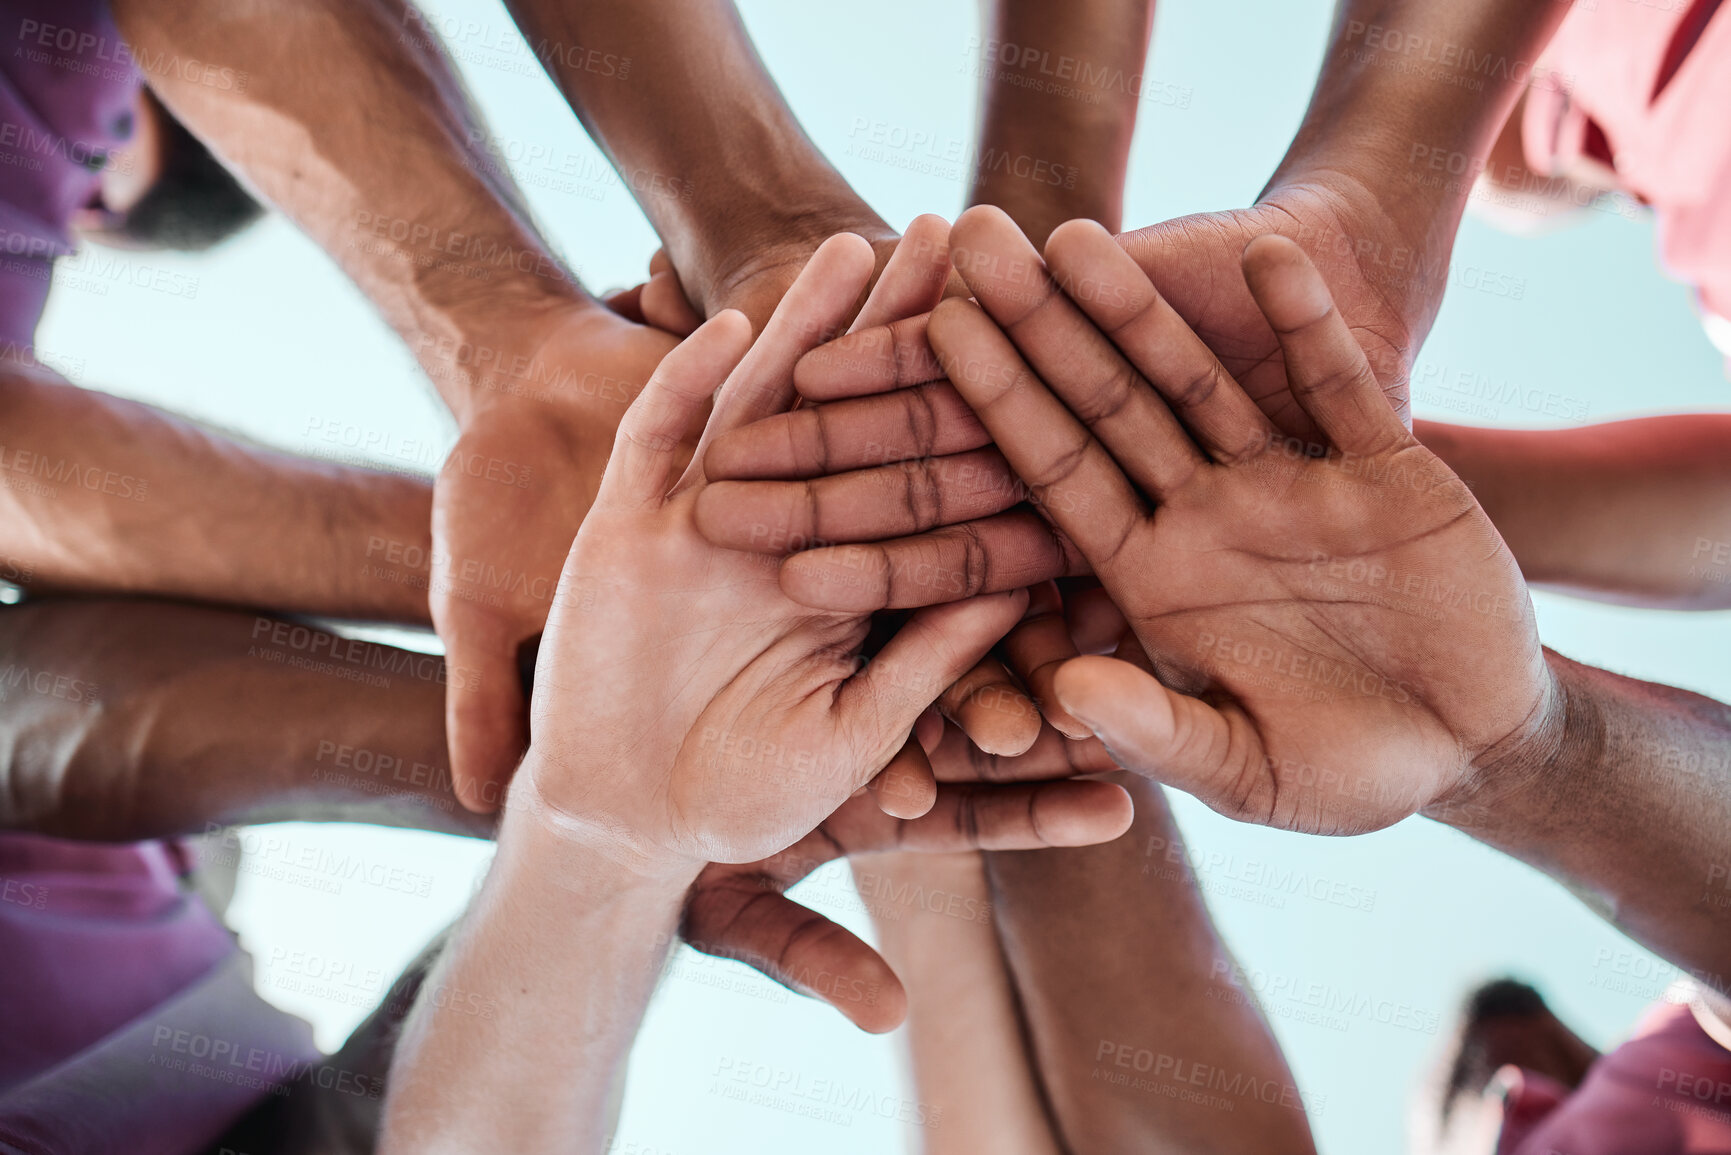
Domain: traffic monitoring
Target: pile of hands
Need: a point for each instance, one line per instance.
(900, 576)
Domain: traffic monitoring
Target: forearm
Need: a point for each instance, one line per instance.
(347, 116)
(136, 719)
(1408, 103)
(973, 1076)
(1128, 994)
(102, 494)
(560, 951)
(1059, 90)
(676, 95)
(1630, 511)
(1628, 804)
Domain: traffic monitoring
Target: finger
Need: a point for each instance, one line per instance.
(956, 759)
(925, 421)
(628, 303)
(1101, 278)
(738, 916)
(1325, 365)
(866, 361)
(1004, 552)
(1065, 348)
(879, 705)
(486, 713)
(913, 280)
(1172, 738)
(815, 307)
(1071, 477)
(905, 788)
(1028, 816)
(663, 300)
(864, 505)
(991, 709)
(1095, 621)
(929, 731)
(647, 448)
(663, 304)
(1039, 644)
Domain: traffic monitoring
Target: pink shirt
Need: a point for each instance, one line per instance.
(1667, 1091)
(1672, 150)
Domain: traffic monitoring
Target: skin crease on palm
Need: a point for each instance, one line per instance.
(1296, 698)
(1290, 697)
(787, 670)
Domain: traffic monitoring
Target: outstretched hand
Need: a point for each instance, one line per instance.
(685, 709)
(1341, 638)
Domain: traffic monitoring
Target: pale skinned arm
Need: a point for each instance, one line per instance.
(1637, 512)
(964, 1040)
(564, 945)
(109, 495)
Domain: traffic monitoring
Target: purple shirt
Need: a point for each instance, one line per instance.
(68, 87)
(104, 953)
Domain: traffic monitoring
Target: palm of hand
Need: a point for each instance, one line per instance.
(1347, 641)
(751, 771)
(1381, 286)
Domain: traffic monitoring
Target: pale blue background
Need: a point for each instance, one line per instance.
(275, 344)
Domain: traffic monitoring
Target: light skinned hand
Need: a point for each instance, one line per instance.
(686, 710)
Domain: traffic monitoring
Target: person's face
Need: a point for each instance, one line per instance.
(132, 170)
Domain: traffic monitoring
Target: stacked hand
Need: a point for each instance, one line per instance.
(1336, 635)
(687, 711)
(506, 506)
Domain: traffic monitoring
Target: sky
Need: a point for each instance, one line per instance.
(266, 338)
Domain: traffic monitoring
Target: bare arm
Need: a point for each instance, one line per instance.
(1128, 996)
(352, 122)
(676, 95)
(102, 494)
(1060, 86)
(137, 719)
(1627, 804)
(562, 948)
(935, 926)
(341, 104)
(1630, 511)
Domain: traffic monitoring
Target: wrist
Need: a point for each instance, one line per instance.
(724, 264)
(586, 848)
(484, 352)
(1523, 783)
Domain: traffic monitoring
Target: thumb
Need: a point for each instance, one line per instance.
(1178, 740)
(486, 716)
